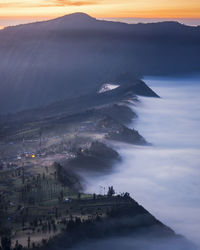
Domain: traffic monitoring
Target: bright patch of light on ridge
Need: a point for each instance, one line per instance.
(107, 87)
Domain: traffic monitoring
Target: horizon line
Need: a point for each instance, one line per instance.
(18, 20)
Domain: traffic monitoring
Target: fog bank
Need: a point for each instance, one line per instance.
(164, 177)
(136, 243)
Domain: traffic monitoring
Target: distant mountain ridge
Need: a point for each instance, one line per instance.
(73, 55)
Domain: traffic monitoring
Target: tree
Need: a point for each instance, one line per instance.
(6, 243)
(61, 196)
(111, 191)
(29, 241)
(126, 195)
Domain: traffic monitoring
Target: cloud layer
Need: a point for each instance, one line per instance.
(69, 3)
(165, 178)
(49, 3)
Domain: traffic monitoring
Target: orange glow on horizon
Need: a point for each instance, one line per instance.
(48, 9)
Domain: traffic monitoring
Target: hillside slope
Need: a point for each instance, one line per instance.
(75, 54)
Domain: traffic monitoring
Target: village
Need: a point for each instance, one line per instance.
(41, 190)
(37, 206)
(38, 197)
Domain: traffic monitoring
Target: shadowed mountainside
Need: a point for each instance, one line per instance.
(75, 54)
(128, 219)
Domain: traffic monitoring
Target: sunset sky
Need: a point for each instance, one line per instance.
(22, 11)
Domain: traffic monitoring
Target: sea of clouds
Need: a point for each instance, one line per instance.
(164, 177)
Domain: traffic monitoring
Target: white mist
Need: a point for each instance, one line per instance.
(164, 177)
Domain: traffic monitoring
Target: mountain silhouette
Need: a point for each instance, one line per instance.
(75, 54)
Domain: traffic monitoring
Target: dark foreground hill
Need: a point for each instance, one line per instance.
(127, 226)
(73, 55)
